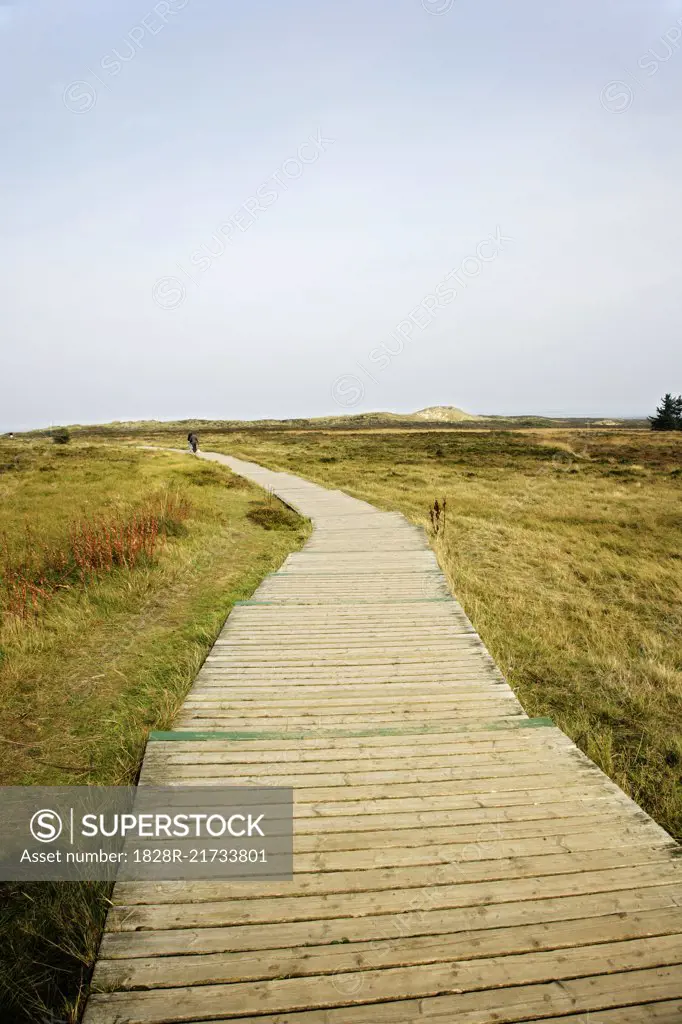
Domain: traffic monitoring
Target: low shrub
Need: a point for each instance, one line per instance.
(273, 517)
(93, 547)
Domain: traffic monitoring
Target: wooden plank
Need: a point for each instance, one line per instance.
(297, 961)
(304, 908)
(495, 828)
(294, 763)
(470, 731)
(667, 1012)
(210, 721)
(627, 992)
(439, 701)
(372, 785)
(374, 986)
(636, 841)
(321, 879)
(398, 802)
(406, 748)
(418, 921)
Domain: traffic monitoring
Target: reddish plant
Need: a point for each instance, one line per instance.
(93, 547)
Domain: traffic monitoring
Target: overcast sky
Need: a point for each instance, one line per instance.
(243, 210)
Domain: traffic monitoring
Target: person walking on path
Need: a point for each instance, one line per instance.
(193, 441)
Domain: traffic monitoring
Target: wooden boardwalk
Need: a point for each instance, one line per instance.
(456, 861)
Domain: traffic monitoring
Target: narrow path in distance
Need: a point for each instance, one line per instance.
(455, 859)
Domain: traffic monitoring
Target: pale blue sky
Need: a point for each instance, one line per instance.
(447, 128)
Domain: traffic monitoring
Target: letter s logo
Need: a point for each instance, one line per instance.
(617, 97)
(46, 826)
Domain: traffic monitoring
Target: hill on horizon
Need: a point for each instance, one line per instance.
(432, 416)
(442, 414)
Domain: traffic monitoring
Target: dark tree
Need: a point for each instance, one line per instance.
(60, 435)
(668, 414)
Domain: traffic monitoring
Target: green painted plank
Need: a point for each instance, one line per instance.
(500, 724)
(343, 572)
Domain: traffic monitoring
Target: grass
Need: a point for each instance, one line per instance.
(107, 652)
(35, 572)
(564, 548)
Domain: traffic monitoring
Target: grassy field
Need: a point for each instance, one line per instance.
(565, 548)
(117, 569)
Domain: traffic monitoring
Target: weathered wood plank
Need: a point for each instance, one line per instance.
(374, 879)
(419, 921)
(373, 986)
(399, 901)
(297, 961)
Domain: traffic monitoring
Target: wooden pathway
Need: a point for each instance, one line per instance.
(456, 861)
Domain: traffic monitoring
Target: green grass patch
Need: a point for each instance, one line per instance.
(274, 516)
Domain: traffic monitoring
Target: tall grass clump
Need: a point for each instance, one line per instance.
(33, 573)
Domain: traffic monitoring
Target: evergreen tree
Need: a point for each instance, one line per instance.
(668, 414)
